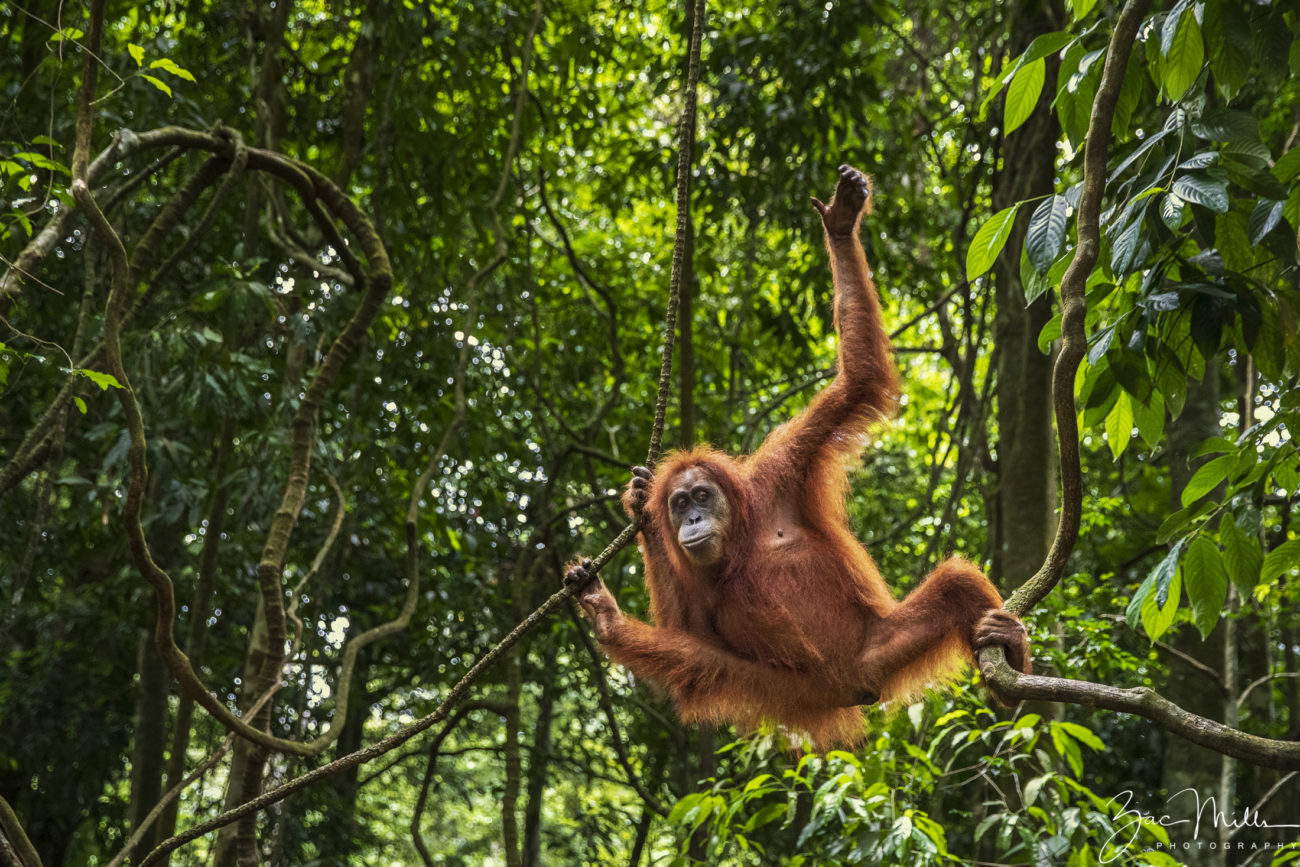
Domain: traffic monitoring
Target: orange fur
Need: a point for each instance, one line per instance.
(797, 618)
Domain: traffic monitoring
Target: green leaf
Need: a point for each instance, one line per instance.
(1280, 560)
(1241, 554)
(1034, 283)
(1124, 251)
(1119, 425)
(1170, 28)
(1081, 8)
(1226, 125)
(1251, 152)
(1067, 747)
(989, 241)
(81, 404)
(1051, 331)
(1206, 326)
(1076, 87)
(1264, 219)
(1207, 478)
(1287, 165)
(156, 83)
(1134, 610)
(1202, 160)
(1046, 233)
(137, 53)
(1207, 583)
(1158, 615)
(1147, 144)
(1185, 54)
(685, 805)
(1048, 43)
(1023, 94)
(1171, 211)
(1233, 242)
(1149, 416)
(1203, 191)
(1032, 788)
(170, 66)
(1130, 96)
(1083, 735)
(768, 814)
(104, 380)
(1227, 33)
(41, 161)
(1166, 570)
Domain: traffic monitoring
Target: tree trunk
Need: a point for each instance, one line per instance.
(513, 765)
(338, 840)
(1026, 492)
(1186, 765)
(150, 731)
(236, 844)
(538, 765)
(196, 632)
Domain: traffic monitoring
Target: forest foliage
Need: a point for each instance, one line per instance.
(381, 343)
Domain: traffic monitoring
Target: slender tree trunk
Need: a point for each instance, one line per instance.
(150, 730)
(266, 75)
(538, 766)
(642, 834)
(196, 633)
(1023, 508)
(1026, 493)
(359, 82)
(337, 844)
(245, 779)
(1187, 766)
(513, 765)
(1227, 794)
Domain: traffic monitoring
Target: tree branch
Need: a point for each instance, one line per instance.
(17, 837)
(1143, 701)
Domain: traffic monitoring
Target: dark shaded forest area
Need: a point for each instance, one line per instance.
(330, 333)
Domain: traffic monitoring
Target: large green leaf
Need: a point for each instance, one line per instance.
(1227, 33)
(1171, 211)
(1119, 425)
(1124, 249)
(989, 241)
(1048, 43)
(1206, 478)
(1206, 583)
(1203, 191)
(1155, 588)
(1169, 29)
(1023, 94)
(1046, 232)
(1264, 219)
(1183, 57)
(1226, 125)
(1158, 611)
(1281, 560)
(1241, 554)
